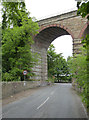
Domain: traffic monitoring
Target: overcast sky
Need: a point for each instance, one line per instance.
(47, 8)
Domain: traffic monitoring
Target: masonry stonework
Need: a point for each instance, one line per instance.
(50, 29)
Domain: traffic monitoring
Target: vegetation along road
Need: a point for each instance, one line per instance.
(56, 101)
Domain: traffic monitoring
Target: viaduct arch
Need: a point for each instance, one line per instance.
(53, 27)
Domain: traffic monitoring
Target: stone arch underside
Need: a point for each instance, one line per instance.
(41, 44)
(47, 35)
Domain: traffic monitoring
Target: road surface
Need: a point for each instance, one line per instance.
(57, 101)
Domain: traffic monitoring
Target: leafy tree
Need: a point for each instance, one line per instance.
(13, 13)
(61, 67)
(16, 41)
(51, 58)
(78, 68)
(57, 65)
(68, 58)
(83, 10)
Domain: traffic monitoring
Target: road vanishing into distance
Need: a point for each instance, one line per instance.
(56, 101)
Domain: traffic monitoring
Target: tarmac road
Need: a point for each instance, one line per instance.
(57, 101)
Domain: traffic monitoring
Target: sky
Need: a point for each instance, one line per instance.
(46, 8)
(41, 9)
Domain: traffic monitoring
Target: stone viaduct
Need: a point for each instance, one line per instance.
(53, 27)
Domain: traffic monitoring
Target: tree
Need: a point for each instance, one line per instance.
(68, 58)
(57, 65)
(83, 10)
(13, 13)
(78, 68)
(17, 41)
(51, 58)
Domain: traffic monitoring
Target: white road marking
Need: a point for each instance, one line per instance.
(43, 103)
